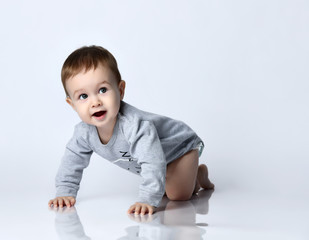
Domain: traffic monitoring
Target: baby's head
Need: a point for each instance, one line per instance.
(86, 58)
(93, 85)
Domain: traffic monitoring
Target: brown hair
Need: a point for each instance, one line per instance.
(86, 58)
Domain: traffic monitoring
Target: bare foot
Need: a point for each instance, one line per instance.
(202, 177)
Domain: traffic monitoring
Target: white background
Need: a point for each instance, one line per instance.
(235, 71)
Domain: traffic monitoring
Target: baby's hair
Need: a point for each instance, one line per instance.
(86, 58)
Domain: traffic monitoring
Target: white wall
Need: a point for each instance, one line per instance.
(235, 71)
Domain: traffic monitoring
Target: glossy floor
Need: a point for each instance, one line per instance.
(209, 215)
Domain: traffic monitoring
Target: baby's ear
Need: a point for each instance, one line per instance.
(122, 87)
(69, 101)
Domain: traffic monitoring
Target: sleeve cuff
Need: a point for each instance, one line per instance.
(151, 199)
(66, 192)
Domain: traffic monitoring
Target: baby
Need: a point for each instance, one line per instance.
(163, 151)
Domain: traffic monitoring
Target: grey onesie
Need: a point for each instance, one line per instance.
(143, 143)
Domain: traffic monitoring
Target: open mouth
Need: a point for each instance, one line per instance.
(99, 115)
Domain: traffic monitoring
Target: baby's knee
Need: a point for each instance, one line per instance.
(179, 195)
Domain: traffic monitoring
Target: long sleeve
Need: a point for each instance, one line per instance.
(146, 147)
(76, 158)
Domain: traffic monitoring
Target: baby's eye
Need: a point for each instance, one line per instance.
(83, 96)
(103, 90)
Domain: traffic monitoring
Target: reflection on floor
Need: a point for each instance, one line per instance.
(173, 220)
(223, 214)
(230, 214)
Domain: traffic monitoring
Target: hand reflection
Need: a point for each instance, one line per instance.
(142, 218)
(68, 224)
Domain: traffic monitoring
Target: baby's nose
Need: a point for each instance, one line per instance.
(96, 102)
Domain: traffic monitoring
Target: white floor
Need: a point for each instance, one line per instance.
(210, 215)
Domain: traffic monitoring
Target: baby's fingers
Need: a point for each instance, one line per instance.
(150, 211)
(50, 203)
(147, 209)
(60, 201)
(67, 202)
(73, 201)
(144, 210)
(55, 202)
(131, 209)
(137, 209)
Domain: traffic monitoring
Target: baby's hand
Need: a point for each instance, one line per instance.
(141, 208)
(62, 201)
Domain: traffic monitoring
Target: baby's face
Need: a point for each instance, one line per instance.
(95, 96)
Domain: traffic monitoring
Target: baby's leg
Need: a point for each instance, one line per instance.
(181, 176)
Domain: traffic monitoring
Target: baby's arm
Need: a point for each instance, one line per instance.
(62, 201)
(141, 208)
(146, 146)
(76, 158)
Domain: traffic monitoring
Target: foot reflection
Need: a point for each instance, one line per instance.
(68, 225)
(173, 220)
